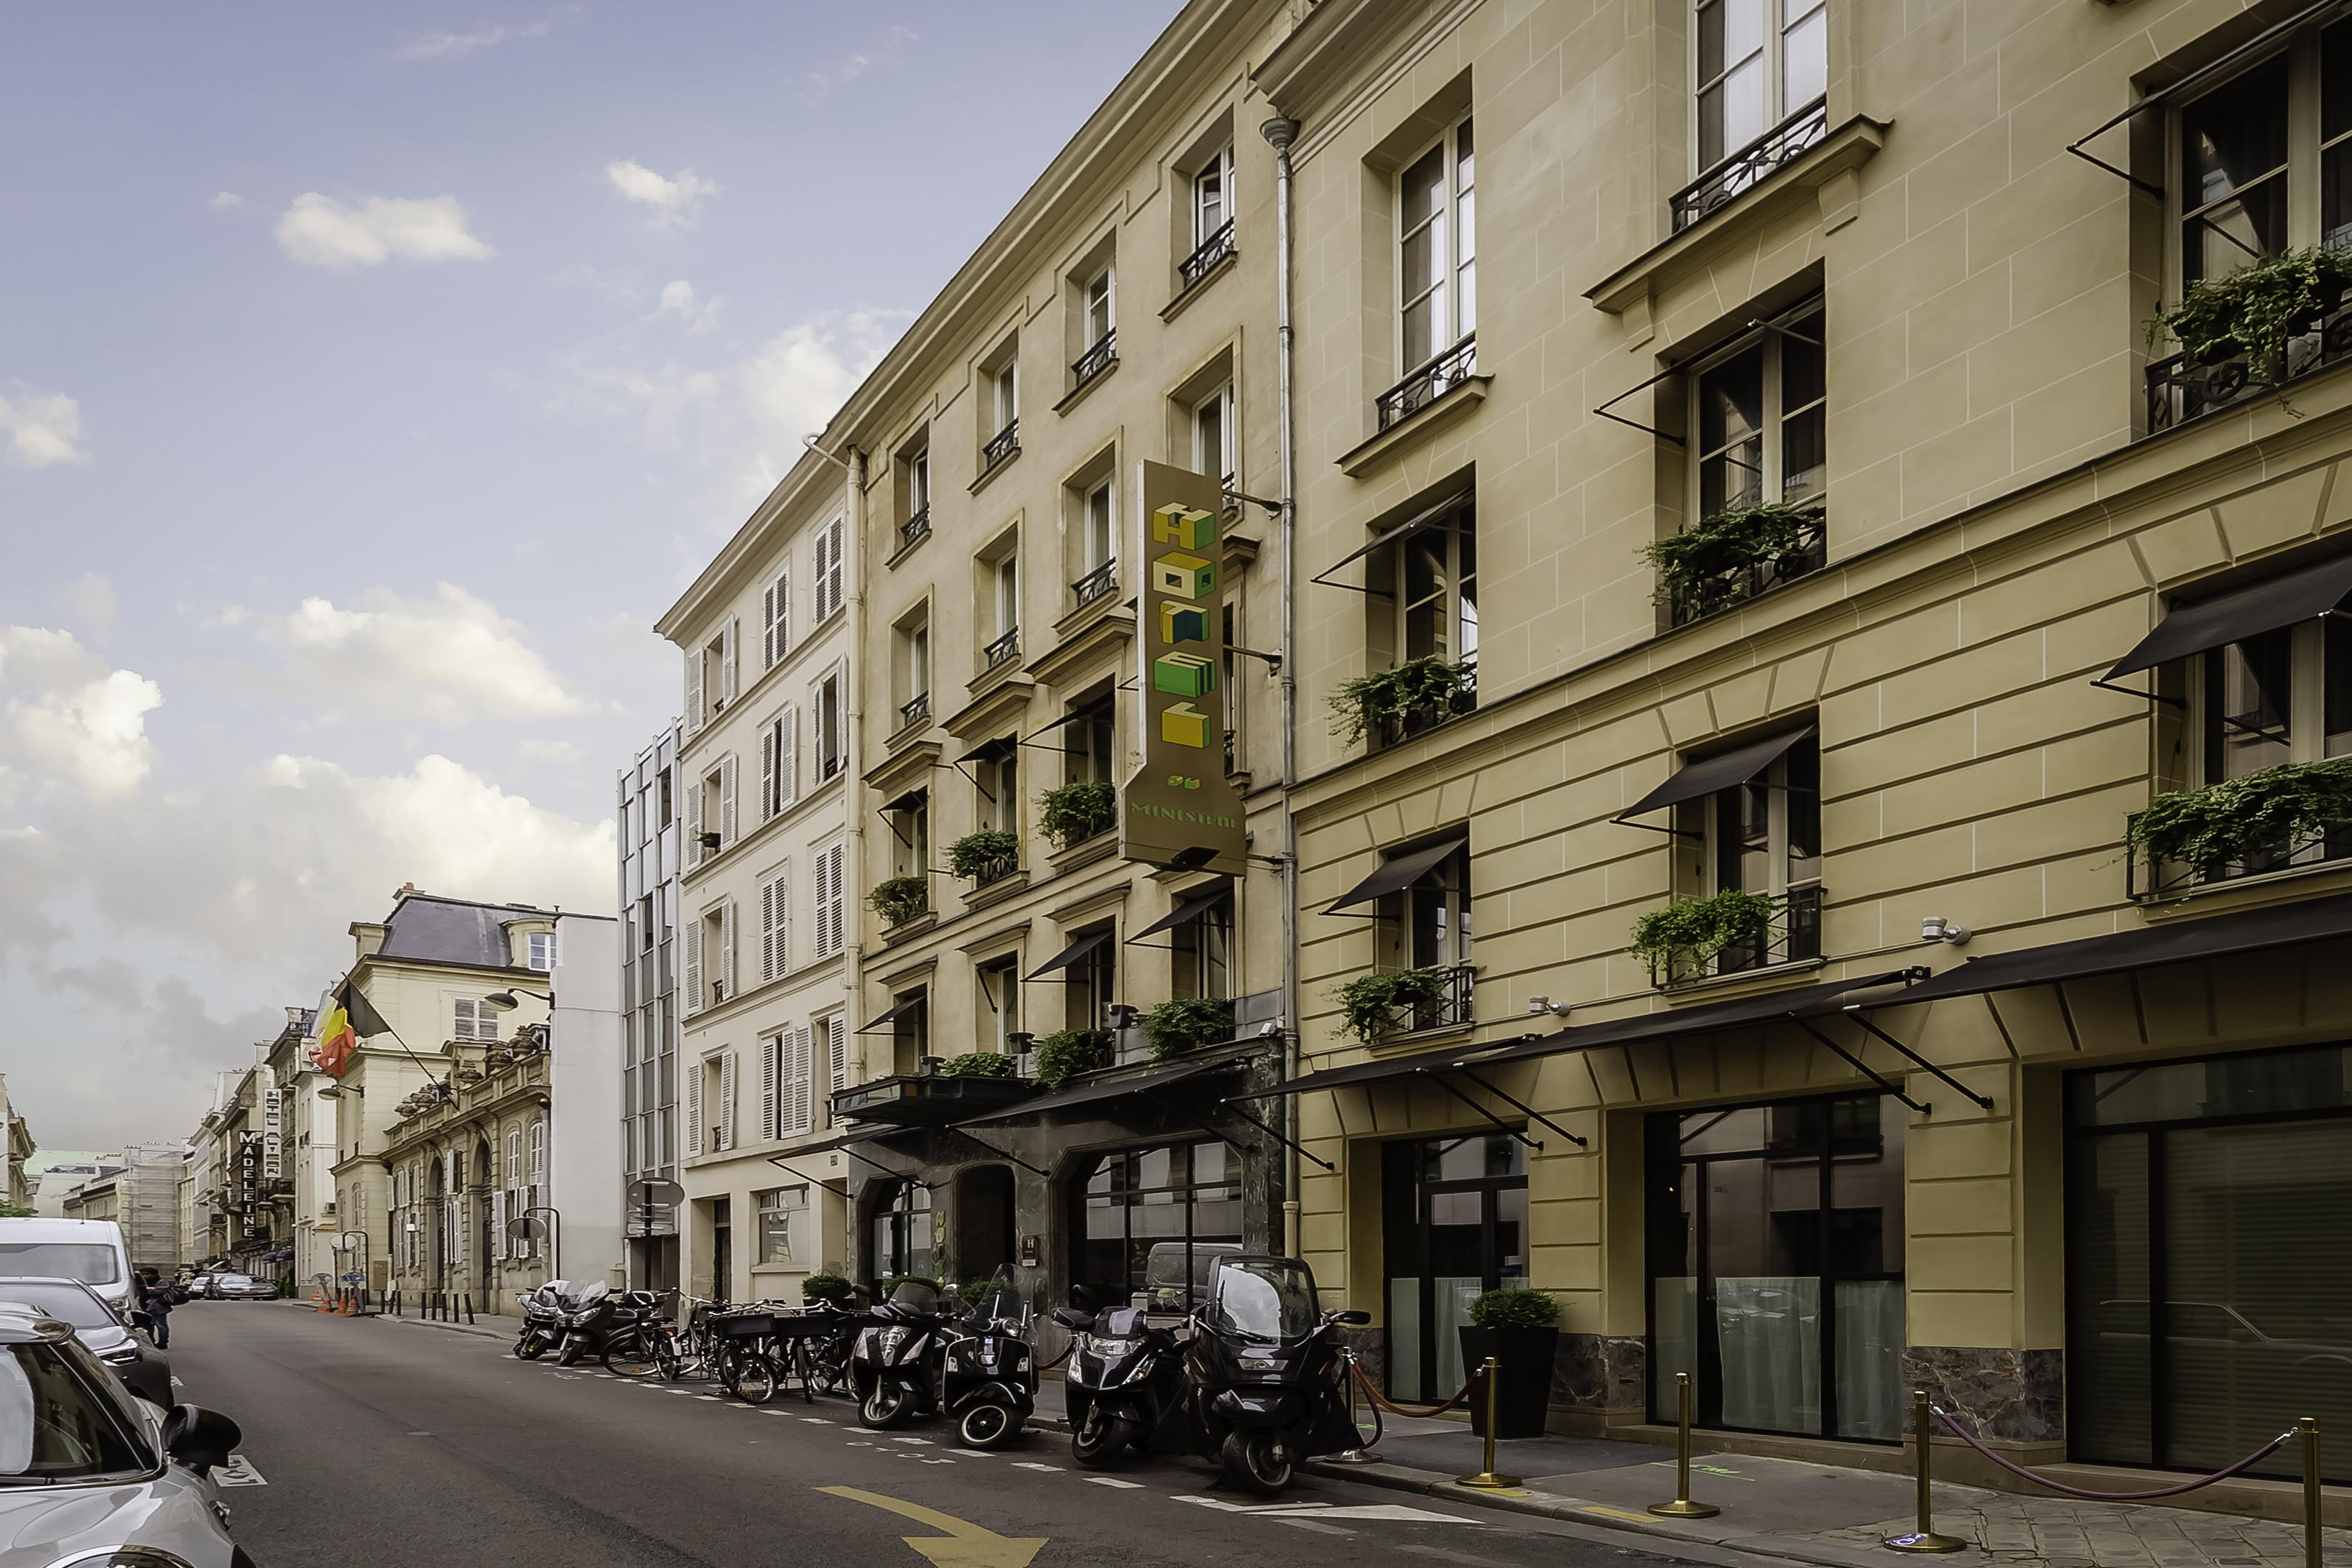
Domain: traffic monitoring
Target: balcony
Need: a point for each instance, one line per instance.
(1429, 383)
(1101, 357)
(1196, 268)
(1386, 1003)
(928, 1099)
(1751, 165)
(1691, 592)
(1001, 651)
(2278, 819)
(1096, 585)
(1788, 933)
(1421, 719)
(1002, 448)
(914, 713)
(915, 529)
(2180, 389)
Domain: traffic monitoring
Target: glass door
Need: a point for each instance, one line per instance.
(1455, 1224)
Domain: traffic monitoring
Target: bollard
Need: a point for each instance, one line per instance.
(469, 1306)
(1486, 1479)
(1359, 1454)
(2309, 1428)
(1682, 1507)
(1924, 1538)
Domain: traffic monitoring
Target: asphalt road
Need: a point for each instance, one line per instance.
(402, 1445)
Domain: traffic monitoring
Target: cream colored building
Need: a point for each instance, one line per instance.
(15, 1189)
(764, 920)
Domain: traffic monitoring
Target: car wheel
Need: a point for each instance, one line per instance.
(1256, 1462)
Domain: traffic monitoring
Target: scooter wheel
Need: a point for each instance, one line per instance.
(574, 1349)
(530, 1349)
(1096, 1443)
(885, 1407)
(1256, 1462)
(987, 1426)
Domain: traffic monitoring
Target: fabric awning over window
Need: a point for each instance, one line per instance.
(1428, 518)
(1102, 1089)
(1071, 954)
(1188, 910)
(993, 750)
(1396, 873)
(907, 1009)
(2243, 613)
(1708, 774)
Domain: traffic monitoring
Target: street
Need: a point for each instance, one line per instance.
(397, 1445)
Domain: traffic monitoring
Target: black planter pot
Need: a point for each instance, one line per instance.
(1523, 1384)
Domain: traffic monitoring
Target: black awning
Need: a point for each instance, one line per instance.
(993, 750)
(1675, 1023)
(1102, 1089)
(905, 800)
(1396, 873)
(907, 1009)
(1071, 954)
(1428, 518)
(2150, 946)
(2243, 612)
(1187, 911)
(1360, 1074)
(1708, 774)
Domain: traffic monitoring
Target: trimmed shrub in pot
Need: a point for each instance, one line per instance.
(1387, 1001)
(1077, 811)
(1186, 1023)
(826, 1287)
(899, 899)
(1067, 1053)
(1520, 1329)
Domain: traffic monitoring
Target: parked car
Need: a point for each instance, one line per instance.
(242, 1288)
(96, 1475)
(144, 1370)
(90, 1251)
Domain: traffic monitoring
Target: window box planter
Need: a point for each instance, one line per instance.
(1077, 811)
(986, 856)
(979, 1064)
(900, 899)
(1390, 705)
(1732, 931)
(1067, 1053)
(1399, 1001)
(1731, 556)
(1520, 1329)
(1186, 1023)
(2241, 827)
(2250, 330)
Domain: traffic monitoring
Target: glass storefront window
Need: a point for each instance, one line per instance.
(1150, 1221)
(784, 1223)
(1775, 1265)
(902, 1235)
(1454, 1225)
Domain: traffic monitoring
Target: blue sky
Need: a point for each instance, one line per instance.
(373, 377)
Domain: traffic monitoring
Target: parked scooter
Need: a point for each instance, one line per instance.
(893, 1370)
(542, 1320)
(1126, 1385)
(988, 1380)
(1265, 1373)
(597, 1314)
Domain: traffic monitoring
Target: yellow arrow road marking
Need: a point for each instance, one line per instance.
(965, 1545)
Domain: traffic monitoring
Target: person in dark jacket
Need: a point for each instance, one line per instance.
(155, 1301)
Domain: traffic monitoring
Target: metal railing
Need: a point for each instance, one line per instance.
(1430, 382)
(2145, 877)
(1767, 155)
(1095, 359)
(2180, 389)
(914, 710)
(1206, 255)
(1794, 936)
(915, 527)
(1422, 719)
(1450, 1008)
(1099, 584)
(1002, 651)
(1689, 602)
(1000, 446)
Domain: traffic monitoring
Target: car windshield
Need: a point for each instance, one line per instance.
(55, 1423)
(1265, 1300)
(84, 1260)
(66, 1303)
(238, 1279)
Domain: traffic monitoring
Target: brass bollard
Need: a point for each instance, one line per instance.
(1486, 1479)
(1359, 1454)
(1682, 1507)
(2309, 1428)
(1924, 1538)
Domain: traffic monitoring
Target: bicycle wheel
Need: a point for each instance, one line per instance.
(667, 1359)
(631, 1356)
(725, 1365)
(804, 1370)
(755, 1378)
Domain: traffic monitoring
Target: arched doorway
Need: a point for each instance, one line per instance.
(983, 1218)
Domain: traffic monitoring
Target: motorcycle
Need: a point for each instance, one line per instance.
(895, 1367)
(988, 1377)
(1126, 1385)
(597, 1316)
(1265, 1372)
(542, 1320)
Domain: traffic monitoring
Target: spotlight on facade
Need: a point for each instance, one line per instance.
(1936, 929)
(1546, 1005)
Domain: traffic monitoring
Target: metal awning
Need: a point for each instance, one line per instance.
(2241, 614)
(1188, 910)
(1396, 873)
(1695, 781)
(1773, 1006)
(907, 1009)
(993, 750)
(2150, 946)
(1071, 954)
(1428, 518)
(1096, 1091)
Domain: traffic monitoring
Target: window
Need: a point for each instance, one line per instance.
(473, 1020)
(540, 952)
(538, 1153)
(1153, 1220)
(1099, 520)
(666, 806)
(918, 485)
(1763, 836)
(1200, 953)
(997, 575)
(711, 812)
(997, 774)
(774, 619)
(2280, 696)
(829, 901)
(1432, 578)
(828, 726)
(786, 1084)
(833, 1039)
(910, 1031)
(775, 924)
(1436, 271)
(1212, 432)
(710, 958)
(909, 818)
(1453, 1223)
(1427, 925)
(911, 661)
(1761, 417)
(1087, 994)
(828, 553)
(1099, 342)
(1004, 393)
(902, 1234)
(1000, 407)
(1213, 196)
(1759, 63)
(783, 1224)
(1000, 1011)
(780, 744)
(1087, 739)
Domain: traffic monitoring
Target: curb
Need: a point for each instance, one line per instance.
(475, 1329)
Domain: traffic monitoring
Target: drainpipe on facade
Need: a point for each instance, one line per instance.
(1280, 134)
(853, 762)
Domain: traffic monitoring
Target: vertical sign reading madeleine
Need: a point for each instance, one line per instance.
(1180, 808)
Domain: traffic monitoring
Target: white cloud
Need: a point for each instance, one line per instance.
(679, 300)
(224, 200)
(90, 599)
(69, 721)
(318, 231)
(452, 658)
(42, 428)
(671, 202)
(457, 46)
(562, 753)
(885, 50)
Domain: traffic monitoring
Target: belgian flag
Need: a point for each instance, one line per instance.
(350, 1019)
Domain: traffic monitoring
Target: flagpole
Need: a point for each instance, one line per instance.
(345, 985)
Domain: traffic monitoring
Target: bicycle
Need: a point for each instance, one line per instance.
(636, 1350)
(744, 1369)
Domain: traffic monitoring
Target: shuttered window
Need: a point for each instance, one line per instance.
(774, 618)
(776, 924)
(829, 901)
(472, 1018)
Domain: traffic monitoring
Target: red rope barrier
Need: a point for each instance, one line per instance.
(1383, 1402)
(2266, 1451)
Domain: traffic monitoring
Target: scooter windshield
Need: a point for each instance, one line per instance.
(916, 1296)
(1264, 1299)
(591, 1296)
(1000, 1299)
(1120, 1323)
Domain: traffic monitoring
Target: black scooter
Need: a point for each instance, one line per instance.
(596, 1315)
(1265, 1373)
(542, 1320)
(988, 1374)
(895, 1366)
(1125, 1387)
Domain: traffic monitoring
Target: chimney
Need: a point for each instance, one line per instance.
(294, 1017)
(369, 937)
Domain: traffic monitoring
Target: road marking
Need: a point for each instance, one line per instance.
(965, 1545)
(1114, 1481)
(238, 1472)
(1034, 1465)
(1451, 1556)
(913, 1442)
(813, 1420)
(1311, 1524)
(976, 1453)
(1376, 1512)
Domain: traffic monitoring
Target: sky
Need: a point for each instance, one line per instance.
(372, 378)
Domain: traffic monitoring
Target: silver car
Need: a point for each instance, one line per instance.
(90, 1476)
(144, 1370)
(242, 1288)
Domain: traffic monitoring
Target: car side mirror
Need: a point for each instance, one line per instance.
(142, 1320)
(199, 1439)
(1354, 1317)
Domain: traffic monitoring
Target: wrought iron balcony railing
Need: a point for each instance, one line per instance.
(1205, 256)
(2179, 389)
(1421, 720)
(1002, 651)
(1759, 160)
(1430, 382)
(1099, 584)
(1000, 446)
(1689, 602)
(1095, 359)
(2145, 877)
(915, 710)
(1794, 936)
(915, 527)
(1450, 1008)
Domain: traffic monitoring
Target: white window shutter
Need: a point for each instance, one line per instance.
(693, 823)
(726, 802)
(495, 1240)
(802, 1082)
(836, 1053)
(788, 756)
(784, 884)
(538, 1153)
(771, 1068)
(727, 661)
(771, 622)
(693, 999)
(724, 1125)
(727, 948)
(823, 576)
(694, 1106)
(693, 691)
(767, 931)
(829, 933)
(770, 740)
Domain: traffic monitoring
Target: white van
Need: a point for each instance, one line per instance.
(90, 1251)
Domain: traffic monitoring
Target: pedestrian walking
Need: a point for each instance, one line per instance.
(155, 1299)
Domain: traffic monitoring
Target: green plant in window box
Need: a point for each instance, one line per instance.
(2237, 819)
(1430, 687)
(826, 1287)
(978, 1064)
(1691, 931)
(1706, 566)
(1186, 1023)
(2255, 312)
(985, 855)
(899, 899)
(1067, 1053)
(1387, 1000)
(1076, 811)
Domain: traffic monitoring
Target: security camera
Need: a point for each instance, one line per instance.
(1936, 929)
(1546, 1005)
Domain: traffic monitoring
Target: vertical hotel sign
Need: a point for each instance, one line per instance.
(1180, 808)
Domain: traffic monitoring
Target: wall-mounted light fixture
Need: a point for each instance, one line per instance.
(1546, 1005)
(1936, 929)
